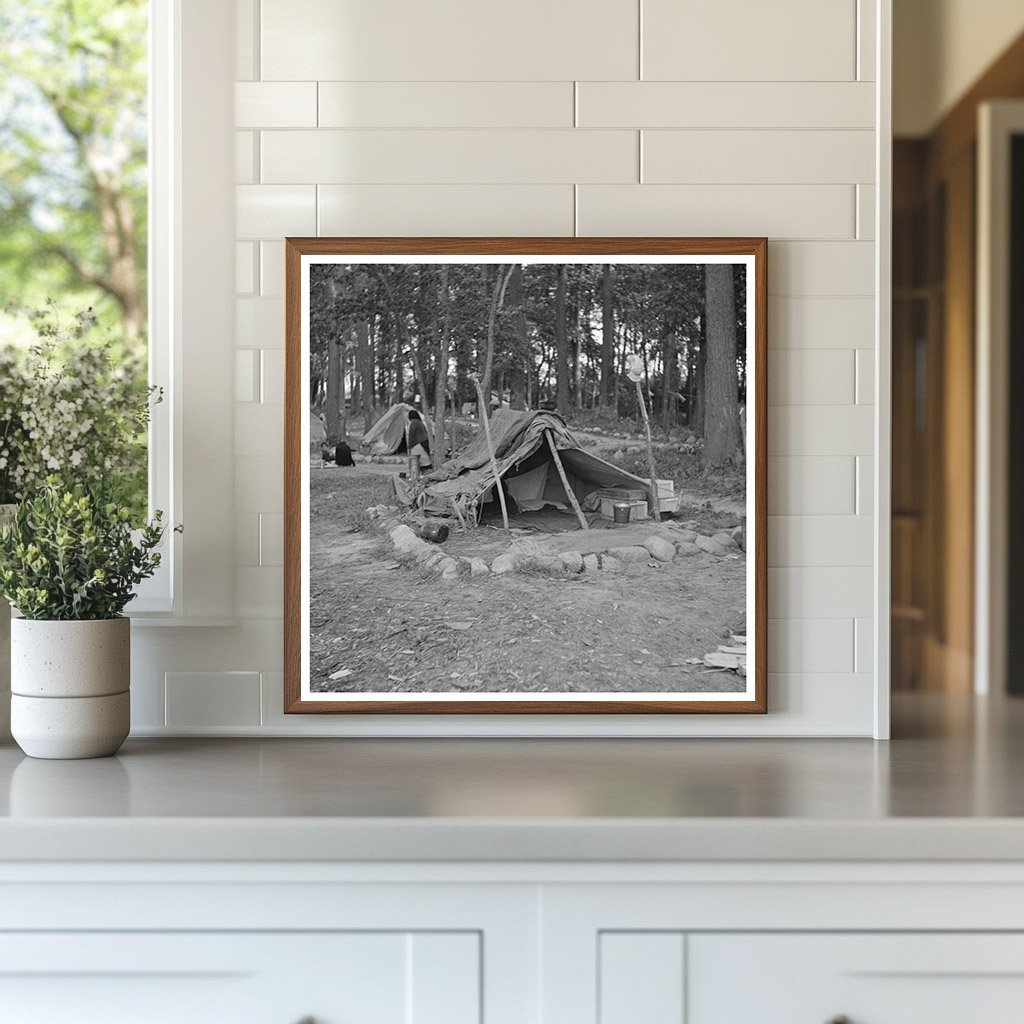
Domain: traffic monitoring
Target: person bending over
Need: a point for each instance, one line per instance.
(418, 442)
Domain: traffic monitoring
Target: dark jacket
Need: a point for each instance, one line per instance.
(418, 435)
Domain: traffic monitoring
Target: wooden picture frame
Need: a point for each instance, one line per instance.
(359, 271)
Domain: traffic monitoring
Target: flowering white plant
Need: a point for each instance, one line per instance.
(73, 408)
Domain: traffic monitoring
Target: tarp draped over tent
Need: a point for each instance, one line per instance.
(525, 466)
(387, 435)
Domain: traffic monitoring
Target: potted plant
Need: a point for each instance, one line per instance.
(71, 403)
(69, 563)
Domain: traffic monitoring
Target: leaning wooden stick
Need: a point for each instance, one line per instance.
(458, 513)
(655, 503)
(584, 525)
(490, 451)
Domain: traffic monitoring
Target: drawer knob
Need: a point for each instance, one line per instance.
(842, 1019)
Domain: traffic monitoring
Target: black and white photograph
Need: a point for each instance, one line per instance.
(526, 479)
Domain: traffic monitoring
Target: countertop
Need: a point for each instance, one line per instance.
(949, 786)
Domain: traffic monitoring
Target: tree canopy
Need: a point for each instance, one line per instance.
(536, 334)
(73, 156)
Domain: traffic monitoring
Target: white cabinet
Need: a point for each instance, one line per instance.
(477, 943)
(868, 979)
(672, 978)
(241, 978)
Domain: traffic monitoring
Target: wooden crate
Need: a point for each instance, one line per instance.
(638, 510)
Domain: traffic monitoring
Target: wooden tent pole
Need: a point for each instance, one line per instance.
(490, 451)
(584, 525)
(655, 501)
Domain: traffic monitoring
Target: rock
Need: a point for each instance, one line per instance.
(630, 554)
(591, 563)
(710, 545)
(432, 560)
(618, 455)
(611, 563)
(404, 539)
(687, 548)
(739, 534)
(547, 563)
(372, 512)
(572, 560)
(726, 540)
(660, 548)
(503, 564)
(687, 536)
(478, 567)
(449, 568)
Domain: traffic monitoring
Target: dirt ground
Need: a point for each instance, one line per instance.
(378, 625)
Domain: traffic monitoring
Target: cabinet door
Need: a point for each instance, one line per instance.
(862, 978)
(241, 978)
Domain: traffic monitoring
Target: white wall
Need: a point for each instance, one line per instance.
(555, 117)
(940, 48)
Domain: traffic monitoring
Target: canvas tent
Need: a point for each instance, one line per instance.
(387, 435)
(526, 468)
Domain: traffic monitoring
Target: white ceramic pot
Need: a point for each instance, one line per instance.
(69, 683)
(6, 515)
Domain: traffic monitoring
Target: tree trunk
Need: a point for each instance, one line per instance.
(577, 354)
(442, 366)
(521, 355)
(561, 343)
(699, 365)
(608, 380)
(722, 417)
(365, 354)
(501, 279)
(668, 374)
(332, 407)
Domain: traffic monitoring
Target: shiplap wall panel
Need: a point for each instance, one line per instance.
(821, 486)
(809, 540)
(446, 210)
(246, 155)
(819, 322)
(775, 211)
(816, 376)
(274, 211)
(276, 105)
(458, 117)
(820, 591)
(212, 698)
(755, 157)
(749, 41)
(447, 105)
(822, 269)
(726, 105)
(469, 157)
(449, 40)
(821, 430)
(812, 645)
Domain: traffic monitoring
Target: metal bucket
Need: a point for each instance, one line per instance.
(620, 511)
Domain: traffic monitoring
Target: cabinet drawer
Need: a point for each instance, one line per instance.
(241, 978)
(866, 978)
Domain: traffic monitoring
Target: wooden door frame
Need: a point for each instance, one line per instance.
(998, 122)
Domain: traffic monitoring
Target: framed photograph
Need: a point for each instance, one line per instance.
(525, 475)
